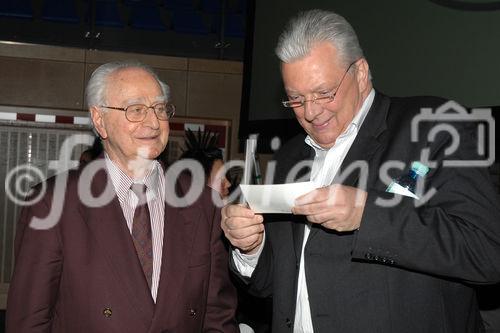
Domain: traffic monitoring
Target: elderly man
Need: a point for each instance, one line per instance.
(353, 258)
(133, 263)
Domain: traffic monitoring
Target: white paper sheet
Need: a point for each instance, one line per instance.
(274, 198)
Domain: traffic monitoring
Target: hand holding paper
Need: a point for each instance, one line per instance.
(242, 227)
(336, 207)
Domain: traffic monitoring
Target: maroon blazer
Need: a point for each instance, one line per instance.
(83, 274)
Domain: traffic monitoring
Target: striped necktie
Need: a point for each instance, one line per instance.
(141, 232)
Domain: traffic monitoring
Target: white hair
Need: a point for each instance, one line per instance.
(315, 26)
(95, 92)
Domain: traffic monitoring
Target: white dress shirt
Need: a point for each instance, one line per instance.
(155, 193)
(324, 169)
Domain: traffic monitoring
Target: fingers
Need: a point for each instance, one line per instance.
(319, 201)
(242, 227)
(338, 214)
(311, 209)
(317, 195)
(241, 232)
(346, 221)
(237, 210)
(249, 244)
(335, 207)
(238, 216)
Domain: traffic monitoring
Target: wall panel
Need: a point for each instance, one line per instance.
(215, 95)
(41, 83)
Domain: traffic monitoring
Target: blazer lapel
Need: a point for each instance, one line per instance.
(298, 222)
(365, 145)
(109, 228)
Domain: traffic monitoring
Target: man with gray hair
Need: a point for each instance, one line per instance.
(353, 257)
(129, 260)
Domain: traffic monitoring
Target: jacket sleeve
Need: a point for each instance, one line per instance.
(35, 282)
(454, 234)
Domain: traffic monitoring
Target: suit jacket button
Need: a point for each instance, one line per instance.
(288, 322)
(192, 312)
(107, 312)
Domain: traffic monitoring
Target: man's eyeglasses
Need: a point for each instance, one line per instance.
(137, 112)
(322, 99)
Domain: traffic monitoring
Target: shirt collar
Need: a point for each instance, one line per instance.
(122, 181)
(353, 127)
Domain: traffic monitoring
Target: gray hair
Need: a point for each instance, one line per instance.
(95, 92)
(315, 26)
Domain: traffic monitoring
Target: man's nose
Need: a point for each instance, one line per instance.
(151, 119)
(311, 110)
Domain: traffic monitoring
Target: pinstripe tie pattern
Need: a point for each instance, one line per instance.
(141, 232)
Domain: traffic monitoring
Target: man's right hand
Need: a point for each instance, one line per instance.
(243, 228)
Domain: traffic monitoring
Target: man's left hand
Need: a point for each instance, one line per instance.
(336, 207)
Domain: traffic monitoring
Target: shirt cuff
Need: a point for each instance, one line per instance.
(246, 263)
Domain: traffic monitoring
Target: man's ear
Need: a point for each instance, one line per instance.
(362, 74)
(98, 121)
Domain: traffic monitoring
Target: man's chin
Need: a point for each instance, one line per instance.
(323, 142)
(148, 153)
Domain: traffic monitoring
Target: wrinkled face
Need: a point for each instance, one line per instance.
(124, 141)
(217, 179)
(318, 74)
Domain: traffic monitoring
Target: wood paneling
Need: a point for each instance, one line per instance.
(215, 66)
(100, 57)
(177, 80)
(41, 83)
(55, 77)
(215, 95)
(46, 52)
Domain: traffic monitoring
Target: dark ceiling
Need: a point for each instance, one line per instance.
(213, 29)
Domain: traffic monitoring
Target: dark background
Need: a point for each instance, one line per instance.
(414, 47)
